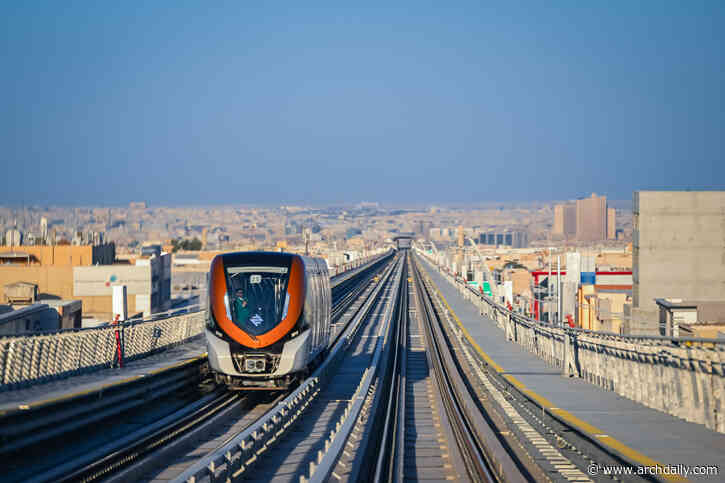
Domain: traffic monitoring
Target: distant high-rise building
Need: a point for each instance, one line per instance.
(591, 218)
(611, 224)
(565, 220)
(44, 229)
(558, 228)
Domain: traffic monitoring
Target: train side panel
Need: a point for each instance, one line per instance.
(317, 305)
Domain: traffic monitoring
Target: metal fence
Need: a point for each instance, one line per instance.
(26, 360)
(684, 377)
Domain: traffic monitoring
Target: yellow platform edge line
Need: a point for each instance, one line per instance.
(583, 426)
(67, 397)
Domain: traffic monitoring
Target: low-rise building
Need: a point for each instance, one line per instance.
(38, 317)
(688, 318)
(86, 273)
(148, 285)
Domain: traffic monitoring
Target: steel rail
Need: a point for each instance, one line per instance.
(111, 456)
(388, 466)
(170, 451)
(502, 463)
(472, 452)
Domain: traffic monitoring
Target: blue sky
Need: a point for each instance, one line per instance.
(250, 102)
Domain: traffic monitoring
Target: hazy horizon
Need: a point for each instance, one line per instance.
(403, 205)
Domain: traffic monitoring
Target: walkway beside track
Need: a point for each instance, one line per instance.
(51, 392)
(649, 434)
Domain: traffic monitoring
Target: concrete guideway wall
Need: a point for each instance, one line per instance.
(683, 378)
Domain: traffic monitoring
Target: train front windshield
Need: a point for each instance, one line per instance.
(257, 299)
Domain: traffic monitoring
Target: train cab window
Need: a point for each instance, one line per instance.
(257, 299)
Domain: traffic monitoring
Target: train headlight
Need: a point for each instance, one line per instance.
(255, 364)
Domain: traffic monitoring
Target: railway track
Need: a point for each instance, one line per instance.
(432, 426)
(400, 397)
(201, 424)
(415, 418)
(544, 445)
(484, 457)
(415, 441)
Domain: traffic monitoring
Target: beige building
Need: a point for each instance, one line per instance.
(591, 218)
(680, 318)
(678, 251)
(565, 221)
(148, 286)
(58, 255)
(87, 273)
(611, 224)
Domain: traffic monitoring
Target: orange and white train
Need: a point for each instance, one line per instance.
(269, 318)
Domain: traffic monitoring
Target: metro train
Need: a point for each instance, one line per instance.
(268, 321)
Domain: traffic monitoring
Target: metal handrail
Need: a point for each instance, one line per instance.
(576, 330)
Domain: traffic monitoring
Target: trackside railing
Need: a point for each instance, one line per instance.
(31, 359)
(684, 377)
